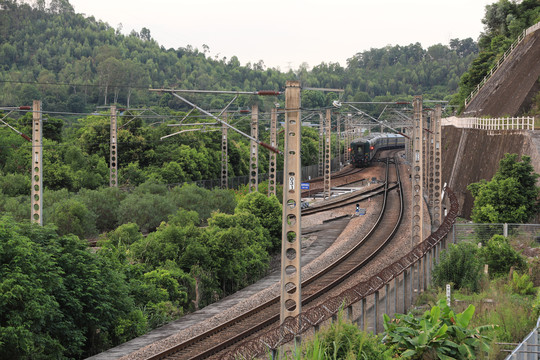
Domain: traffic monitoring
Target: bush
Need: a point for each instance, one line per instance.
(500, 256)
(73, 217)
(459, 265)
(146, 210)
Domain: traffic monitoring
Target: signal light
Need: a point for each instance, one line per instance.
(371, 148)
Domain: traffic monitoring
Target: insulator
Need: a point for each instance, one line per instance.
(268, 93)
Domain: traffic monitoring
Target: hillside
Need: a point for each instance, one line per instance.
(516, 81)
(74, 63)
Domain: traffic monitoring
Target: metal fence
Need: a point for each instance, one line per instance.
(484, 232)
(529, 348)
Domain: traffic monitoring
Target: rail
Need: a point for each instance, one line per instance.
(313, 317)
(520, 38)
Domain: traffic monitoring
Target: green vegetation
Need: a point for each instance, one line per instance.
(510, 196)
(73, 63)
(59, 299)
(459, 265)
(438, 333)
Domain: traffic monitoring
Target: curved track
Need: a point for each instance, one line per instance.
(214, 342)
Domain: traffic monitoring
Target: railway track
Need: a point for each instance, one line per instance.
(344, 173)
(215, 342)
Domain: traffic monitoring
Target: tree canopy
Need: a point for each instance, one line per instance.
(510, 196)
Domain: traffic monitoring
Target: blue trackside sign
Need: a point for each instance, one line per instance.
(304, 186)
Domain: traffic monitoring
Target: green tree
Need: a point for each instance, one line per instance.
(510, 197)
(73, 217)
(268, 212)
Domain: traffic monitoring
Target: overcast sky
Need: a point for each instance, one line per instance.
(286, 33)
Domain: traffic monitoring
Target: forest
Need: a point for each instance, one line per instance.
(73, 63)
(164, 246)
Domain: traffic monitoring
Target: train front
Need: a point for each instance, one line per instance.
(358, 154)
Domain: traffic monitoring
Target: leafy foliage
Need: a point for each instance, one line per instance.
(500, 256)
(57, 298)
(521, 284)
(459, 265)
(439, 332)
(510, 197)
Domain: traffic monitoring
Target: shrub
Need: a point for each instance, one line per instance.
(459, 265)
(438, 333)
(521, 285)
(500, 256)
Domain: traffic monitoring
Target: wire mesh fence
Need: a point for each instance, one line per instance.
(484, 232)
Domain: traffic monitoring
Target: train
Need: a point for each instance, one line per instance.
(363, 150)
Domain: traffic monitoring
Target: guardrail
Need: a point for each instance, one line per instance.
(520, 38)
(529, 348)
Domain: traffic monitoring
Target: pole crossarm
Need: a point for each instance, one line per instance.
(323, 89)
(263, 144)
(258, 92)
(26, 137)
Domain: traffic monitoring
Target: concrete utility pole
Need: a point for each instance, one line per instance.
(291, 230)
(113, 151)
(37, 164)
(224, 153)
(254, 153)
(338, 142)
(417, 173)
(437, 159)
(327, 159)
(272, 165)
(321, 145)
(347, 138)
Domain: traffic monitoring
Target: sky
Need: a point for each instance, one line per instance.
(287, 33)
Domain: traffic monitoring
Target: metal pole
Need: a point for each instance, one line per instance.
(37, 164)
(291, 231)
(254, 156)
